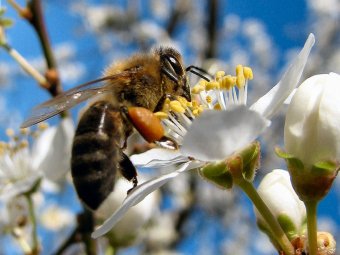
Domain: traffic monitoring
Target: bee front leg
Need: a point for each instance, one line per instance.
(128, 171)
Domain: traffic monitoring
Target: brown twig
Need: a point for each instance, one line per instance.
(176, 16)
(37, 21)
(212, 28)
(82, 233)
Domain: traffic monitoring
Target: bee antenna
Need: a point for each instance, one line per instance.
(199, 72)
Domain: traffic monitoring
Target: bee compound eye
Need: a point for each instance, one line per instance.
(146, 123)
(176, 65)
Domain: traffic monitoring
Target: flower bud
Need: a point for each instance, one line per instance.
(312, 131)
(312, 135)
(277, 192)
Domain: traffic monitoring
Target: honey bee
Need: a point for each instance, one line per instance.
(143, 80)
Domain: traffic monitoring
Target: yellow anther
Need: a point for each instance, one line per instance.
(195, 103)
(212, 85)
(183, 101)
(202, 83)
(195, 112)
(23, 144)
(217, 107)
(228, 82)
(197, 89)
(161, 115)
(240, 80)
(167, 100)
(248, 73)
(42, 125)
(200, 109)
(219, 75)
(10, 132)
(208, 99)
(3, 147)
(176, 107)
(24, 131)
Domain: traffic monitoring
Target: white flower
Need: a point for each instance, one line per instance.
(21, 167)
(129, 227)
(215, 134)
(56, 218)
(312, 132)
(277, 192)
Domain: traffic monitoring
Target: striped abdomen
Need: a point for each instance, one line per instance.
(96, 152)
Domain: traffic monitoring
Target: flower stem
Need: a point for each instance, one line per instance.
(21, 241)
(311, 209)
(275, 227)
(35, 248)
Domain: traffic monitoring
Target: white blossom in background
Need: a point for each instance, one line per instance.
(22, 166)
(161, 9)
(234, 127)
(129, 229)
(323, 19)
(56, 218)
(162, 232)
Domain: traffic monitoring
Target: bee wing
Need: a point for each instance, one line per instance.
(71, 98)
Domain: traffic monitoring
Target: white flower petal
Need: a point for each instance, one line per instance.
(269, 104)
(217, 134)
(137, 195)
(17, 174)
(59, 150)
(42, 146)
(158, 157)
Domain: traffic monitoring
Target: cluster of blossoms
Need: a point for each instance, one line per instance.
(214, 135)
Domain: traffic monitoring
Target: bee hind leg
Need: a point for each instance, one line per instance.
(128, 171)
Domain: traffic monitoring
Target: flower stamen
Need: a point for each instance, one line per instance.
(219, 94)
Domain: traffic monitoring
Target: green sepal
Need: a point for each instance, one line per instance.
(214, 169)
(244, 163)
(293, 164)
(288, 226)
(218, 174)
(251, 158)
(324, 168)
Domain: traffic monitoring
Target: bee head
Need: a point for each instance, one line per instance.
(172, 67)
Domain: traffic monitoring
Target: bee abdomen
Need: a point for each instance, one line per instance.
(96, 153)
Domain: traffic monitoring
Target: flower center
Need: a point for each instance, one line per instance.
(218, 94)
(17, 142)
